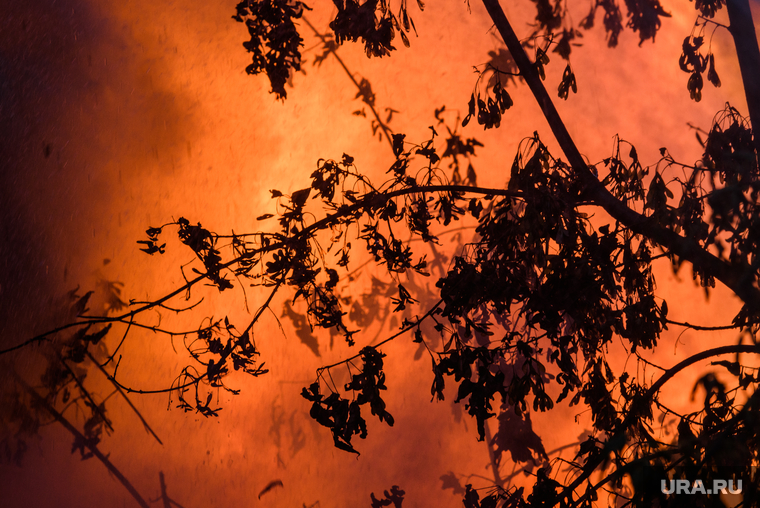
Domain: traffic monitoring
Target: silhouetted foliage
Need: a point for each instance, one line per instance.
(525, 313)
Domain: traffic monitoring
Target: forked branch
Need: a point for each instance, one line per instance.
(737, 276)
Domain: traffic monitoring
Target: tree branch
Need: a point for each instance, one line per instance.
(325, 41)
(686, 324)
(633, 416)
(745, 39)
(371, 199)
(407, 328)
(668, 374)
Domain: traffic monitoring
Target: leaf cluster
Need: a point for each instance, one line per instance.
(344, 418)
(695, 64)
(275, 42)
(490, 110)
(373, 23)
(215, 348)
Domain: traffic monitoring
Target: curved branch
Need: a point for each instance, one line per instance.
(718, 351)
(195, 380)
(632, 416)
(371, 199)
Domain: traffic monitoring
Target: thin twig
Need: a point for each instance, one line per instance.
(394, 336)
(345, 211)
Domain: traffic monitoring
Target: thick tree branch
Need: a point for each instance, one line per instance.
(738, 277)
(745, 39)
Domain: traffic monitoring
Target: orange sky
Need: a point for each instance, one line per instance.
(145, 113)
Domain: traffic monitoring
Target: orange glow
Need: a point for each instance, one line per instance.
(124, 115)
